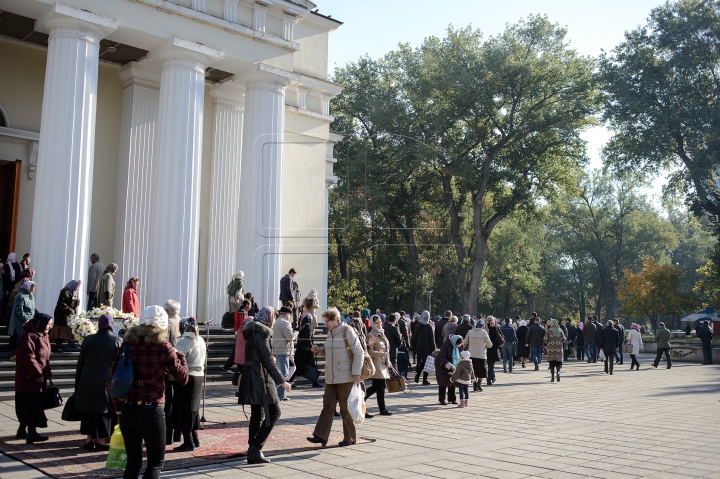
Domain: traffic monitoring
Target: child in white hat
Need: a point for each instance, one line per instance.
(464, 376)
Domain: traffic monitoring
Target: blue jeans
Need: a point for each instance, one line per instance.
(283, 364)
(464, 394)
(536, 354)
(619, 354)
(590, 351)
(507, 349)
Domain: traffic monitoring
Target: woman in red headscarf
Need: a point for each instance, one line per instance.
(130, 301)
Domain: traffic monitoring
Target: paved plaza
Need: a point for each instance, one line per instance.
(652, 423)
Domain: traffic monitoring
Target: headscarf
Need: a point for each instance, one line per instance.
(312, 294)
(26, 273)
(12, 258)
(365, 313)
(154, 316)
(236, 283)
(265, 315)
(480, 324)
(111, 268)
(73, 286)
(186, 323)
(635, 327)
(105, 322)
(27, 285)
(40, 321)
(132, 283)
(425, 317)
(462, 320)
(454, 339)
(523, 323)
(555, 327)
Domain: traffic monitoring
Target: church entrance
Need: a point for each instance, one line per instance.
(9, 199)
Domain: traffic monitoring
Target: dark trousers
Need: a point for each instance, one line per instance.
(581, 353)
(260, 430)
(450, 393)
(334, 394)
(91, 301)
(491, 371)
(378, 387)
(609, 361)
(138, 424)
(707, 352)
(660, 352)
(13, 343)
(634, 361)
(169, 390)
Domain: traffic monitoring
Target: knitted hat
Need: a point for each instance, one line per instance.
(465, 354)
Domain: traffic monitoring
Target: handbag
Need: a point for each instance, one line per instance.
(395, 383)
(628, 348)
(236, 378)
(429, 364)
(311, 374)
(228, 321)
(51, 397)
(368, 367)
(70, 413)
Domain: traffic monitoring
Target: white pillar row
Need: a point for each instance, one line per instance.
(63, 191)
(260, 242)
(141, 95)
(175, 198)
(225, 202)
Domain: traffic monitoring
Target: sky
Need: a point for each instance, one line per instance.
(375, 27)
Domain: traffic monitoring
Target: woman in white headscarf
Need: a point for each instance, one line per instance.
(379, 350)
(235, 291)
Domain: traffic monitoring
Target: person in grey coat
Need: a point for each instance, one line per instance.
(91, 377)
(94, 274)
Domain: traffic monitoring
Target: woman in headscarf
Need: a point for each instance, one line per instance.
(523, 350)
(106, 286)
(66, 306)
(493, 353)
(450, 327)
(25, 275)
(23, 311)
(235, 291)
(445, 363)
(91, 393)
(130, 300)
(424, 344)
(477, 342)
(10, 274)
(142, 412)
(635, 339)
(32, 371)
(554, 341)
(378, 349)
(304, 357)
(310, 305)
(259, 382)
(186, 399)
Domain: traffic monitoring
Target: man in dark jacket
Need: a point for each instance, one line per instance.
(607, 340)
(598, 328)
(589, 340)
(508, 347)
(393, 335)
(439, 328)
(403, 327)
(534, 339)
(705, 334)
(621, 337)
(286, 290)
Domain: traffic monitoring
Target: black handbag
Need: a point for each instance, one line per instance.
(311, 374)
(236, 377)
(51, 397)
(70, 413)
(228, 321)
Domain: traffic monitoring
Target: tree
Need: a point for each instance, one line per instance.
(654, 290)
(662, 91)
(345, 296)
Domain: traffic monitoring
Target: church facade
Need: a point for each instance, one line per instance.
(183, 140)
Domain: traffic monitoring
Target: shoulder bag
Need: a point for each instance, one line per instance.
(628, 348)
(51, 397)
(123, 378)
(368, 367)
(70, 412)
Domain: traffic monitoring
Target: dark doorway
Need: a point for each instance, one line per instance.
(9, 199)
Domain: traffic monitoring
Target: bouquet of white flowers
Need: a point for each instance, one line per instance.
(84, 324)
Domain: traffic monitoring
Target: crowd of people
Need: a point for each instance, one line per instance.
(272, 347)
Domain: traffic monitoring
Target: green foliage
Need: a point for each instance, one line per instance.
(345, 296)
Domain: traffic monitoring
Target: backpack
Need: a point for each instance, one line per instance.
(123, 378)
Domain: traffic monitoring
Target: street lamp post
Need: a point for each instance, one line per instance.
(429, 293)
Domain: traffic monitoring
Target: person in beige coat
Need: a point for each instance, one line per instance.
(635, 339)
(344, 357)
(378, 349)
(477, 343)
(282, 345)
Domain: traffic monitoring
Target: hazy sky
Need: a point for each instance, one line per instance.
(375, 27)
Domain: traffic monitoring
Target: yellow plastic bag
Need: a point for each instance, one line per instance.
(117, 457)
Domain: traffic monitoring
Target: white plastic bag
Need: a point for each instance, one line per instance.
(356, 404)
(601, 356)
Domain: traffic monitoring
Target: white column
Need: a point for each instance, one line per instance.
(324, 294)
(261, 191)
(63, 192)
(175, 197)
(225, 203)
(230, 10)
(141, 95)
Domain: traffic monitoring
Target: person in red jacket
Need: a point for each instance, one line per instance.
(32, 370)
(130, 301)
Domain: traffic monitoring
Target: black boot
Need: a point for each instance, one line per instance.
(425, 381)
(255, 456)
(195, 439)
(34, 437)
(21, 433)
(417, 378)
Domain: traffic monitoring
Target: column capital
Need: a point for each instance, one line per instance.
(61, 16)
(180, 53)
(268, 77)
(138, 74)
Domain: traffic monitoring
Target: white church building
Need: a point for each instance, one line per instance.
(183, 140)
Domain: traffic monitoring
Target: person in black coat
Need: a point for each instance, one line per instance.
(258, 385)
(523, 350)
(464, 326)
(534, 339)
(393, 335)
(439, 326)
(424, 345)
(706, 335)
(571, 335)
(493, 352)
(91, 395)
(619, 357)
(402, 325)
(304, 358)
(286, 286)
(607, 340)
